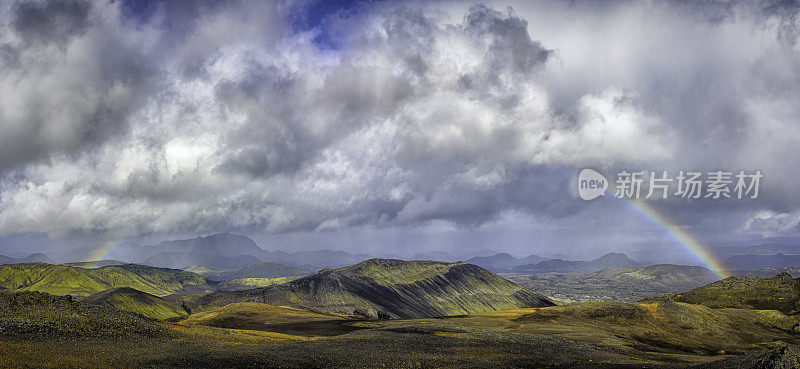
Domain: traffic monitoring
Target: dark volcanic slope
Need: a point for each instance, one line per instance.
(781, 292)
(392, 288)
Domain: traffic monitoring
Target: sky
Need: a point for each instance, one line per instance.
(393, 127)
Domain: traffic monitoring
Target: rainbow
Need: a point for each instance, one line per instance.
(102, 252)
(686, 240)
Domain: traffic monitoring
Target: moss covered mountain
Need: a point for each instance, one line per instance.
(781, 292)
(80, 282)
(135, 301)
(389, 288)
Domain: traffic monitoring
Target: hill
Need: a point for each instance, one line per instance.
(390, 288)
(610, 260)
(267, 269)
(69, 280)
(616, 284)
(135, 301)
(781, 292)
(181, 260)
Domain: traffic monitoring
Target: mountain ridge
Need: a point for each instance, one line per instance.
(391, 288)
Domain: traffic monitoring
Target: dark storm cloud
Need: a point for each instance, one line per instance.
(50, 21)
(169, 117)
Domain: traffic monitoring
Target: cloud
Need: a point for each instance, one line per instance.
(202, 116)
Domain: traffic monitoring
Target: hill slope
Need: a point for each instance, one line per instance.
(69, 280)
(392, 288)
(135, 301)
(781, 292)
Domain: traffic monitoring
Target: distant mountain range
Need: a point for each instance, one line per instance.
(503, 262)
(388, 288)
(610, 260)
(616, 284)
(267, 269)
(32, 258)
(182, 260)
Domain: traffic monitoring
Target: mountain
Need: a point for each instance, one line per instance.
(32, 258)
(317, 259)
(781, 292)
(215, 244)
(69, 280)
(135, 301)
(182, 260)
(617, 284)
(531, 259)
(267, 269)
(610, 260)
(434, 255)
(389, 288)
(498, 263)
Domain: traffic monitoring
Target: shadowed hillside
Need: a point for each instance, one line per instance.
(135, 301)
(68, 280)
(392, 288)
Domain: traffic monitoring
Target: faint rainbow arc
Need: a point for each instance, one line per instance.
(102, 252)
(683, 238)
